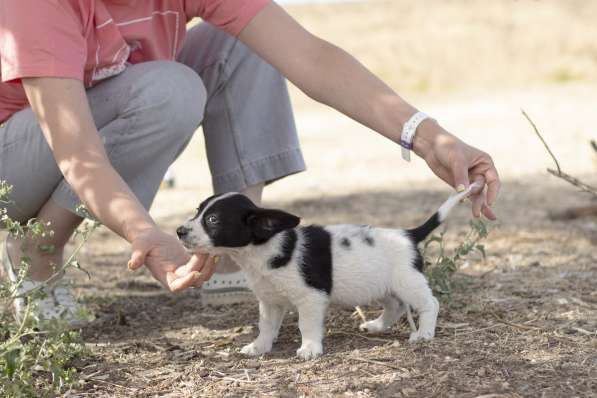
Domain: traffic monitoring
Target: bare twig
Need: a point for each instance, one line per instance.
(361, 314)
(361, 336)
(542, 140)
(516, 325)
(584, 331)
(559, 173)
(359, 359)
(495, 325)
(574, 181)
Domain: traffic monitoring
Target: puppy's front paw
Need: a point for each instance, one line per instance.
(421, 335)
(375, 326)
(254, 349)
(309, 350)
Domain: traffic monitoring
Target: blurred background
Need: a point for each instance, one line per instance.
(471, 64)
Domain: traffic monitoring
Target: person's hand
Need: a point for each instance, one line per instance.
(459, 164)
(169, 262)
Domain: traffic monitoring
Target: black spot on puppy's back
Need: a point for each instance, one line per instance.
(287, 248)
(345, 242)
(369, 240)
(316, 264)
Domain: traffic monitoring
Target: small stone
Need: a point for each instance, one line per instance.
(203, 373)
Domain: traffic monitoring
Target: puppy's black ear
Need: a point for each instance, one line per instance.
(265, 223)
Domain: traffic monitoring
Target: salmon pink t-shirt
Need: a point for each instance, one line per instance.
(91, 40)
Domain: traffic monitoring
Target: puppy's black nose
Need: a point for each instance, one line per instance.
(182, 231)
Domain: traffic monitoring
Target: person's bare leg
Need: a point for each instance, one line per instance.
(46, 253)
(226, 265)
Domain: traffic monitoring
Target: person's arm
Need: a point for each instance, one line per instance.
(65, 118)
(331, 76)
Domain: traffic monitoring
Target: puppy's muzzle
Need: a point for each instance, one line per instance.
(182, 232)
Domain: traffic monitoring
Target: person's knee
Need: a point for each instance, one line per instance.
(176, 92)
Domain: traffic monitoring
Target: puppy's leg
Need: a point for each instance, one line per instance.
(393, 309)
(311, 322)
(414, 291)
(270, 319)
(279, 323)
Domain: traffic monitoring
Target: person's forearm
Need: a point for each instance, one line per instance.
(340, 81)
(63, 113)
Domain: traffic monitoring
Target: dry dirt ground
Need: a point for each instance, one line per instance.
(522, 322)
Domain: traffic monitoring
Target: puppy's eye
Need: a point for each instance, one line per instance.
(212, 219)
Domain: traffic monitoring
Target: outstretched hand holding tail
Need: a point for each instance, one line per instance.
(460, 164)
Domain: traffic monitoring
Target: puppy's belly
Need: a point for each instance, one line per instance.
(362, 293)
(360, 284)
(266, 291)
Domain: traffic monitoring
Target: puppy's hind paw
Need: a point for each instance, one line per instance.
(253, 350)
(309, 351)
(421, 335)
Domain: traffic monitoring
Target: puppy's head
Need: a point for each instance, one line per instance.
(229, 221)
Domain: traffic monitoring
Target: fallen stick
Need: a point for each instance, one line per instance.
(359, 359)
(361, 336)
(516, 325)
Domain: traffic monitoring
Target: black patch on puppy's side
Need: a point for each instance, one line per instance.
(288, 246)
(418, 260)
(369, 240)
(345, 242)
(316, 265)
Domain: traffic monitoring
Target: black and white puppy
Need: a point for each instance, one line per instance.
(310, 267)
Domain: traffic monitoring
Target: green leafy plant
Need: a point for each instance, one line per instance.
(446, 263)
(36, 356)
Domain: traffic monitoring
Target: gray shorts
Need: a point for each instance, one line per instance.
(147, 115)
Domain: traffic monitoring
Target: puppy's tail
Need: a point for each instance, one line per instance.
(420, 233)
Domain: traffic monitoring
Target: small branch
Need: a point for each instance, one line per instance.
(542, 140)
(361, 336)
(574, 181)
(515, 325)
(371, 361)
(360, 313)
(559, 173)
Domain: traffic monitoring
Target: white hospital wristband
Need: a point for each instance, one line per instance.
(408, 133)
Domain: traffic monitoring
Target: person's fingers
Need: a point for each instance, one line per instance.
(460, 174)
(478, 197)
(208, 271)
(196, 263)
(176, 284)
(493, 185)
(488, 212)
(137, 259)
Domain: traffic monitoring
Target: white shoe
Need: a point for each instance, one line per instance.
(55, 302)
(224, 289)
